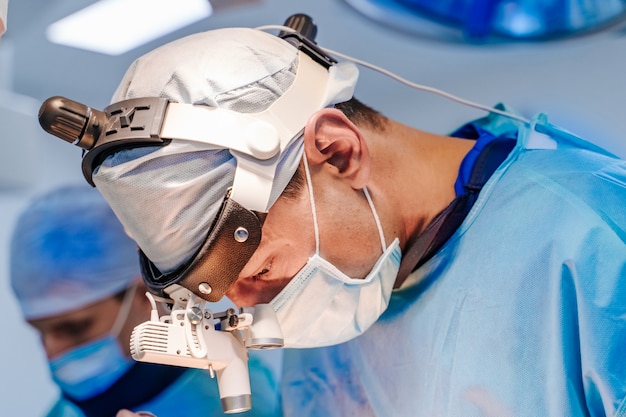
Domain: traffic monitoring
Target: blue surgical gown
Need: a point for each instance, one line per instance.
(522, 312)
(195, 394)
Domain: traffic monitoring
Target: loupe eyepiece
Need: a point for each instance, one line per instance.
(72, 121)
(301, 23)
(304, 38)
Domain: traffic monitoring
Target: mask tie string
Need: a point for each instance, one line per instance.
(381, 234)
(316, 230)
(122, 314)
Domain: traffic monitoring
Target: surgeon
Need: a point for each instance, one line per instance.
(475, 273)
(76, 276)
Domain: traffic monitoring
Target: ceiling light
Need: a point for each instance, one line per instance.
(114, 27)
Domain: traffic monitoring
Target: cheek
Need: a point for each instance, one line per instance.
(289, 216)
(349, 239)
(287, 242)
(355, 257)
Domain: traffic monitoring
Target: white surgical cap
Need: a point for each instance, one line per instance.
(168, 197)
(69, 250)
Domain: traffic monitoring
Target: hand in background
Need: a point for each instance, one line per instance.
(127, 413)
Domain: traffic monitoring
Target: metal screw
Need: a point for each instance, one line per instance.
(205, 288)
(195, 315)
(241, 234)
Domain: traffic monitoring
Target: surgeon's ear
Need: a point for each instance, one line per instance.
(330, 137)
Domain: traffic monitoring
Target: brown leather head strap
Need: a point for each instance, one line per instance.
(231, 241)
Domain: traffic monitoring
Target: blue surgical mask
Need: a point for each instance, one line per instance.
(322, 306)
(92, 368)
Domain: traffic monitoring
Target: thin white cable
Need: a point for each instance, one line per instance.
(405, 81)
(154, 313)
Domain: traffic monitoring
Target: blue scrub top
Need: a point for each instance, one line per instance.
(521, 312)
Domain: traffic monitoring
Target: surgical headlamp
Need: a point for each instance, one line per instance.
(255, 140)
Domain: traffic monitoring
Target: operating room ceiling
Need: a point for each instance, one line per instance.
(532, 76)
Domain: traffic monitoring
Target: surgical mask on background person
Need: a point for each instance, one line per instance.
(322, 306)
(92, 368)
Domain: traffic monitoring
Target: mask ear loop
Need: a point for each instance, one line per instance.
(122, 314)
(381, 234)
(316, 228)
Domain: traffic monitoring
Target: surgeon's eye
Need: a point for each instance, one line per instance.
(73, 329)
(263, 271)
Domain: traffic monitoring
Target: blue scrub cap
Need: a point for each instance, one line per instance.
(69, 250)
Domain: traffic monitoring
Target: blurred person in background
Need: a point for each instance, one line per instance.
(75, 274)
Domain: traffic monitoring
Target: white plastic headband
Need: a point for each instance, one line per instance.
(256, 140)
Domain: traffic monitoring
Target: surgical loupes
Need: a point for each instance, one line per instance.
(193, 336)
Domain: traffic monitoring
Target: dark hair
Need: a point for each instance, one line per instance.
(362, 115)
(358, 113)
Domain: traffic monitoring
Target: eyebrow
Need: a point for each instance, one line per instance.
(73, 326)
